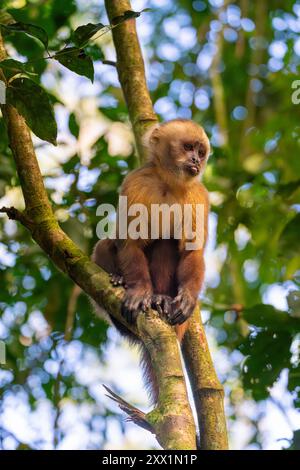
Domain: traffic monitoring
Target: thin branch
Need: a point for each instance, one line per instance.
(14, 214)
(71, 312)
(134, 414)
(218, 90)
(257, 57)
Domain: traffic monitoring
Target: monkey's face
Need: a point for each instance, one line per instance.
(193, 156)
(182, 146)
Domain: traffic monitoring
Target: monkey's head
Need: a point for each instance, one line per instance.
(181, 146)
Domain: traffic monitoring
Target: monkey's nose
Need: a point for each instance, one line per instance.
(195, 160)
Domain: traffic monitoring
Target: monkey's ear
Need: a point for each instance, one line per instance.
(151, 136)
(154, 137)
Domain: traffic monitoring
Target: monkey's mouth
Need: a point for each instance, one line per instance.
(192, 169)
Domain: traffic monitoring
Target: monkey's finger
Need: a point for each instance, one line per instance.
(182, 319)
(158, 308)
(156, 303)
(167, 307)
(175, 318)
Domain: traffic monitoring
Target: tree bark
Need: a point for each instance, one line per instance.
(172, 420)
(131, 71)
(207, 390)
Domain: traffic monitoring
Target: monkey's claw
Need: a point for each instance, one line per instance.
(162, 304)
(134, 302)
(117, 280)
(182, 307)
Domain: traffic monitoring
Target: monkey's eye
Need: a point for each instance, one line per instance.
(202, 151)
(188, 147)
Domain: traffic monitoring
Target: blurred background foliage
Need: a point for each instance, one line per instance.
(230, 66)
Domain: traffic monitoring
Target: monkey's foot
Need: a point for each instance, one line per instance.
(134, 414)
(182, 307)
(135, 300)
(162, 304)
(117, 280)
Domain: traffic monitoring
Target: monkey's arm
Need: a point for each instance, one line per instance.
(134, 267)
(190, 275)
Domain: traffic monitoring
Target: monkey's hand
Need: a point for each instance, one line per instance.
(182, 307)
(135, 300)
(162, 304)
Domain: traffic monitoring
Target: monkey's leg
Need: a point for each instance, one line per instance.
(106, 256)
(163, 259)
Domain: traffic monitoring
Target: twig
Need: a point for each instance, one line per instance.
(135, 415)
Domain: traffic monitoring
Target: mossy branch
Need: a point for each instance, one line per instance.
(131, 71)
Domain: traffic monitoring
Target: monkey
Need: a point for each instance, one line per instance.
(161, 273)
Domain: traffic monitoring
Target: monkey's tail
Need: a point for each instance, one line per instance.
(148, 370)
(146, 363)
(149, 375)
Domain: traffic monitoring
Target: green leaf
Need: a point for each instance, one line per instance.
(127, 15)
(77, 61)
(32, 102)
(266, 316)
(30, 29)
(294, 384)
(266, 355)
(73, 125)
(83, 33)
(12, 67)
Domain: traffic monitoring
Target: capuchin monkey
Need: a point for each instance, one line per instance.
(161, 273)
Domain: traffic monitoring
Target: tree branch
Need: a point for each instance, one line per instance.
(39, 218)
(207, 390)
(131, 71)
(208, 399)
